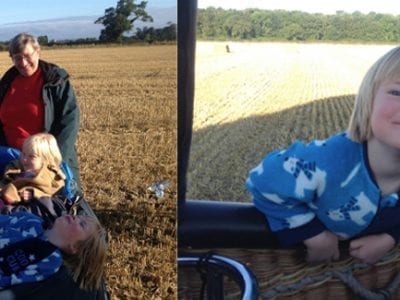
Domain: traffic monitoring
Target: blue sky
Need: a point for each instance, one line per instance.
(311, 6)
(16, 11)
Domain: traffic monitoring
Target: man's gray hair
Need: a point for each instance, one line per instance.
(18, 43)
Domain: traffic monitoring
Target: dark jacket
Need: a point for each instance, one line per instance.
(61, 111)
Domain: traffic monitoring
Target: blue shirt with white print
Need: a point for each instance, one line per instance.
(20, 226)
(323, 185)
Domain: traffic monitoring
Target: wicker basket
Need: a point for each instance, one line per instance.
(283, 274)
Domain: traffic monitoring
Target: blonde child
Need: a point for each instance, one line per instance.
(344, 187)
(78, 241)
(36, 173)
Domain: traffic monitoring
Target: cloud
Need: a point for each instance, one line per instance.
(79, 27)
(68, 28)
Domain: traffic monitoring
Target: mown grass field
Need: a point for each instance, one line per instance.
(264, 96)
(127, 141)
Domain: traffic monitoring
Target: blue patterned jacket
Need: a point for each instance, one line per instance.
(20, 226)
(323, 185)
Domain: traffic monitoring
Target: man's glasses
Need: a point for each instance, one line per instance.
(21, 57)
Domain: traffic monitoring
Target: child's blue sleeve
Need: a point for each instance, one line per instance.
(387, 221)
(40, 271)
(285, 186)
(290, 237)
(35, 272)
(17, 227)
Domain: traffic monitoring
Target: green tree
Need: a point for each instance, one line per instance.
(238, 26)
(43, 40)
(118, 20)
(149, 35)
(169, 32)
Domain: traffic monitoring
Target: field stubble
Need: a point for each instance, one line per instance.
(261, 97)
(127, 140)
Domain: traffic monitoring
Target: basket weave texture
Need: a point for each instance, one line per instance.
(284, 274)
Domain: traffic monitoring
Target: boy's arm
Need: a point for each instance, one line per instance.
(371, 248)
(293, 236)
(322, 247)
(380, 237)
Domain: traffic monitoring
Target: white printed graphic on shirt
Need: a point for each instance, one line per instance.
(307, 176)
(355, 210)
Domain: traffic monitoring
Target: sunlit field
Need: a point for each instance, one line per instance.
(263, 96)
(127, 141)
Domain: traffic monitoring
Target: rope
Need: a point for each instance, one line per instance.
(364, 293)
(345, 275)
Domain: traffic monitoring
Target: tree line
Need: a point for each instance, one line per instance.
(257, 24)
(146, 34)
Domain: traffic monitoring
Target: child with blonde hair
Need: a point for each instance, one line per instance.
(36, 173)
(34, 253)
(88, 262)
(345, 187)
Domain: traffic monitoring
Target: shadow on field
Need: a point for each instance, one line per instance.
(112, 218)
(149, 220)
(222, 155)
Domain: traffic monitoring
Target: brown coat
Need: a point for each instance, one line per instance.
(46, 183)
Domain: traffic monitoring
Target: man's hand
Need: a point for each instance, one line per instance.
(371, 248)
(322, 247)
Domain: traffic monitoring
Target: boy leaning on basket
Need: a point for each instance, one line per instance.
(344, 187)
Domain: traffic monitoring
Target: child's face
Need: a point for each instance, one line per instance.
(385, 116)
(73, 229)
(31, 161)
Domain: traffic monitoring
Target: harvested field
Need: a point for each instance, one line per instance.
(127, 141)
(261, 97)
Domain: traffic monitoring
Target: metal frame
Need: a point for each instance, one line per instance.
(215, 267)
(199, 224)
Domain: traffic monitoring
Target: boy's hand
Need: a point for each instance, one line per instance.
(8, 200)
(322, 247)
(371, 248)
(26, 195)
